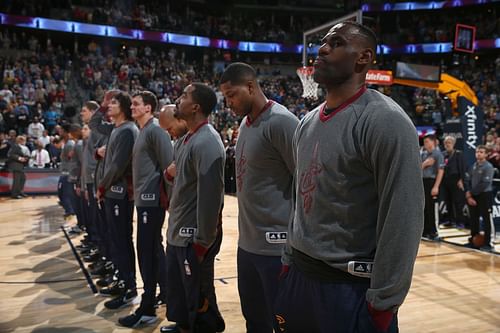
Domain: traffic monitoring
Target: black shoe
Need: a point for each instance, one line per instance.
(124, 299)
(105, 281)
(91, 257)
(487, 248)
(24, 195)
(170, 329)
(83, 247)
(102, 271)
(17, 197)
(116, 288)
(138, 318)
(220, 325)
(160, 300)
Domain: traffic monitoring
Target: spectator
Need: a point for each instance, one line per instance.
(35, 129)
(39, 157)
(17, 160)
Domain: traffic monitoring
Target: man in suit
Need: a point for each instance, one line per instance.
(17, 160)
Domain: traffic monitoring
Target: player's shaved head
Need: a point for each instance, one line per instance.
(238, 73)
(174, 126)
(365, 35)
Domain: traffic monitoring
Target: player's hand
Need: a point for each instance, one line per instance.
(86, 195)
(171, 170)
(101, 151)
(435, 191)
(99, 195)
(460, 184)
(471, 202)
(78, 191)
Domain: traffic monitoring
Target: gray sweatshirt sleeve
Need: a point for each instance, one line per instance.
(161, 143)
(98, 124)
(390, 147)
(122, 156)
(209, 166)
(282, 136)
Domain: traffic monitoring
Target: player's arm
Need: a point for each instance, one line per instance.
(281, 132)
(122, 155)
(209, 165)
(98, 124)
(390, 144)
(160, 142)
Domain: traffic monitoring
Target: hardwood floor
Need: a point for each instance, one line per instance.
(454, 289)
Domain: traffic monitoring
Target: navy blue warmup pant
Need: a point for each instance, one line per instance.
(257, 286)
(150, 251)
(66, 193)
(90, 207)
(304, 304)
(119, 217)
(187, 303)
(77, 204)
(183, 286)
(103, 230)
(207, 273)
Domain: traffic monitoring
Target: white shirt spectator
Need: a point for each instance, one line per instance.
(39, 158)
(35, 130)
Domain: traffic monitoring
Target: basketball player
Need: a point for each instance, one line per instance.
(264, 174)
(358, 199)
(152, 154)
(115, 189)
(95, 228)
(65, 189)
(195, 208)
(177, 129)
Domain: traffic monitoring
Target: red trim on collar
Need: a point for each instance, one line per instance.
(190, 134)
(342, 106)
(266, 107)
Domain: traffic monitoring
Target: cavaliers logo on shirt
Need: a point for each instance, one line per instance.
(308, 183)
(241, 168)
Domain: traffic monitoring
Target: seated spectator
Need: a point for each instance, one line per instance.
(39, 157)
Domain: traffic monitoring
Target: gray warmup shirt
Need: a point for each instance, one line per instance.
(76, 170)
(264, 174)
(359, 193)
(89, 163)
(431, 172)
(117, 176)
(102, 130)
(479, 178)
(152, 153)
(67, 162)
(198, 191)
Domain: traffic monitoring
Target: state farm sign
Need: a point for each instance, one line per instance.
(379, 77)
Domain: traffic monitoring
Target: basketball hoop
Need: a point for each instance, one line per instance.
(310, 88)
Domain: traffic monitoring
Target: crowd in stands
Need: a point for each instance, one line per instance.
(34, 86)
(274, 26)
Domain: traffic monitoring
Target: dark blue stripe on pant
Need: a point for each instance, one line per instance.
(119, 218)
(150, 251)
(257, 286)
(304, 304)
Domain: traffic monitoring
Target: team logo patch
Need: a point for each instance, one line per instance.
(187, 232)
(360, 268)
(281, 322)
(276, 237)
(116, 189)
(148, 196)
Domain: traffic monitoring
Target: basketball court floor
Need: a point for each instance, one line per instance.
(43, 288)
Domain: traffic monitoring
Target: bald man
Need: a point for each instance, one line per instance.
(174, 126)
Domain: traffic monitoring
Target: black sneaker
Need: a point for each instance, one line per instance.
(123, 300)
(116, 288)
(138, 318)
(160, 300)
(106, 280)
(487, 248)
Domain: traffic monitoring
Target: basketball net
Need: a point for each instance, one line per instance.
(310, 88)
